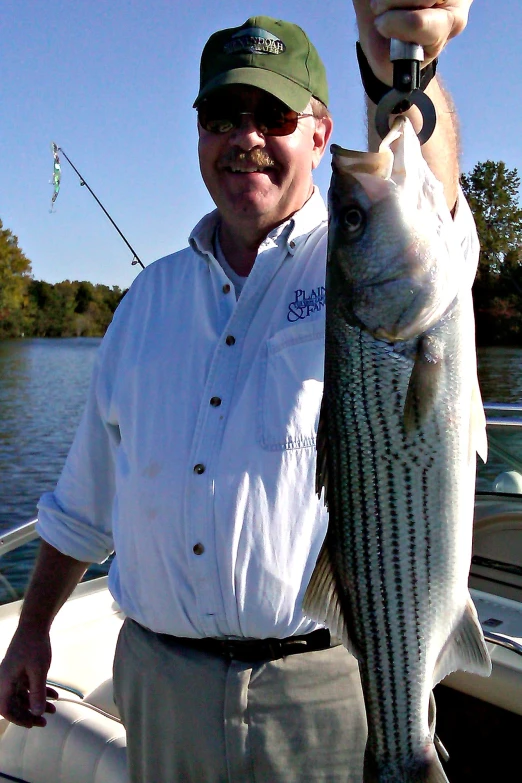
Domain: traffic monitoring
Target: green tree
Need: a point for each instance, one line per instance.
(84, 296)
(52, 308)
(492, 193)
(70, 309)
(15, 274)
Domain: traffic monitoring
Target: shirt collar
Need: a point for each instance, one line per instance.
(312, 214)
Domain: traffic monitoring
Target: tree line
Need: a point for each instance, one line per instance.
(34, 308)
(492, 191)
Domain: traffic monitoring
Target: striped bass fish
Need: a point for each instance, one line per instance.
(401, 422)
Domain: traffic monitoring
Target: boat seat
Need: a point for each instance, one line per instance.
(103, 697)
(83, 742)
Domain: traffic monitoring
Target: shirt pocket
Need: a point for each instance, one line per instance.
(292, 387)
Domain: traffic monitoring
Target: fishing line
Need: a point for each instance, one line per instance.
(56, 182)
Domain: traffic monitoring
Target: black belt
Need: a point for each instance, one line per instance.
(252, 650)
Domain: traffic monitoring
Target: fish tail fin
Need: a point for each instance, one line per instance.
(322, 601)
(466, 648)
(422, 771)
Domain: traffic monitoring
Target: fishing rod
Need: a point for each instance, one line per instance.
(56, 181)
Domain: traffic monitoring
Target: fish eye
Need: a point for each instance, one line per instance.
(353, 219)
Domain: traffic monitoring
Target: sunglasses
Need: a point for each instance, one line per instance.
(271, 117)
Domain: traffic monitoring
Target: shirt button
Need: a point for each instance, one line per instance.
(292, 244)
(198, 549)
(226, 288)
(230, 340)
(215, 402)
(199, 468)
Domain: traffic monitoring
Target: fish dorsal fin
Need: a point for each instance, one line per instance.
(466, 649)
(322, 600)
(321, 471)
(478, 435)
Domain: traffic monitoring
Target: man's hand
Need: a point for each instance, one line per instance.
(430, 23)
(23, 672)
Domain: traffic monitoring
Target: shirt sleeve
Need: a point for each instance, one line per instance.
(76, 517)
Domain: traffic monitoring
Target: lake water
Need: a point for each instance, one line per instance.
(43, 387)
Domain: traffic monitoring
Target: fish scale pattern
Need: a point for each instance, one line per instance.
(390, 493)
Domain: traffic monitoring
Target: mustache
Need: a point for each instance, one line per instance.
(256, 157)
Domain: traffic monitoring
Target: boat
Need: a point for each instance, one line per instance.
(479, 719)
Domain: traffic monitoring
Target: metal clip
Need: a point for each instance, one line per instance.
(405, 93)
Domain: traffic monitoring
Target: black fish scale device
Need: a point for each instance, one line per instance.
(406, 91)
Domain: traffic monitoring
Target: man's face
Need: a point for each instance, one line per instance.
(257, 180)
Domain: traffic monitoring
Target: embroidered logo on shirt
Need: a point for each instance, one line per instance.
(304, 305)
(254, 40)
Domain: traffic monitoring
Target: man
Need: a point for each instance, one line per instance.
(195, 458)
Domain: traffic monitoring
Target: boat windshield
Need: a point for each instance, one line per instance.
(502, 473)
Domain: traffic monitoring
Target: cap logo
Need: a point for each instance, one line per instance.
(254, 40)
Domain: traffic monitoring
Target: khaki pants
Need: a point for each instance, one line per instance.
(192, 717)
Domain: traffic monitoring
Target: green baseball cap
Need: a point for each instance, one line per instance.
(271, 54)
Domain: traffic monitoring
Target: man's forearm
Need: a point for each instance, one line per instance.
(54, 578)
(441, 152)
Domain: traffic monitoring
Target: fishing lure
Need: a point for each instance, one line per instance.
(57, 174)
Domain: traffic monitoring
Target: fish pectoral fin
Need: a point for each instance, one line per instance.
(478, 434)
(466, 649)
(322, 600)
(425, 382)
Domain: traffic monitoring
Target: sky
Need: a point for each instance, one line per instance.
(113, 84)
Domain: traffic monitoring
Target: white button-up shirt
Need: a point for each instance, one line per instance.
(195, 457)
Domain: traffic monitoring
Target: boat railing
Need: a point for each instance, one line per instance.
(503, 640)
(503, 407)
(18, 536)
(501, 416)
